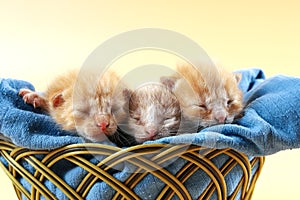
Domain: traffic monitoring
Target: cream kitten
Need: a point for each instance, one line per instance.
(154, 113)
(84, 103)
(206, 97)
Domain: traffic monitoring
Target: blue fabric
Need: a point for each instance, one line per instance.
(270, 124)
(26, 126)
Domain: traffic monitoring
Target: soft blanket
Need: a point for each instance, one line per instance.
(270, 123)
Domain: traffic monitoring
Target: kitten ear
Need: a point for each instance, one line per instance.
(57, 100)
(238, 77)
(168, 81)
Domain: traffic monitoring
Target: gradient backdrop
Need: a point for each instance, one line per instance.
(40, 39)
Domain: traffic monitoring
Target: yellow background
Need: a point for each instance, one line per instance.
(40, 39)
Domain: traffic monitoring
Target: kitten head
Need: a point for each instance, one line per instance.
(98, 108)
(92, 106)
(210, 102)
(154, 113)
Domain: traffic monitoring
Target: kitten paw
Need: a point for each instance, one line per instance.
(31, 97)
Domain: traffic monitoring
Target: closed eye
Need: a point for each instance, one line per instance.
(137, 118)
(82, 109)
(229, 102)
(168, 118)
(201, 106)
(80, 113)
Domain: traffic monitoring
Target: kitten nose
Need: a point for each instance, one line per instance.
(151, 132)
(103, 125)
(102, 121)
(220, 116)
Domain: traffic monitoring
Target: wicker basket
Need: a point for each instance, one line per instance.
(148, 159)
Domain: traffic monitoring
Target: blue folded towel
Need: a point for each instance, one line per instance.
(26, 126)
(270, 124)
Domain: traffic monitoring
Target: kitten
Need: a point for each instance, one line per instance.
(154, 113)
(207, 97)
(84, 103)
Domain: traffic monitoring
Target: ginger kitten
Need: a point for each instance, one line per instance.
(206, 97)
(84, 103)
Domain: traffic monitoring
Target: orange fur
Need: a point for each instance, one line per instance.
(84, 102)
(207, 96)
(64, 85)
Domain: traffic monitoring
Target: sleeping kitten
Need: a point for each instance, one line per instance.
(207, 97)
(154, 113)
(84, 103)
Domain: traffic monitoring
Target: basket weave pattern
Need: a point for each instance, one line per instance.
(147, 159)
